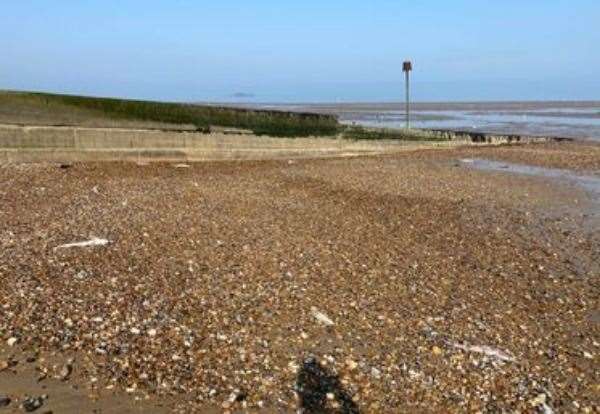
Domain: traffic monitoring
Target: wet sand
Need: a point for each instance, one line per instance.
(579, 120)
(401, 283)
(39, 376)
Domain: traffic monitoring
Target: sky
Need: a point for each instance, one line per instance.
(303, 51)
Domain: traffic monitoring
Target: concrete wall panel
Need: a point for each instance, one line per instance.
(42, 137)
(9, 137)
(99, 139)
(158, 139)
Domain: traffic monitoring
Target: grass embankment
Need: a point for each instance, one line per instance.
(53, 109)
(203, 117)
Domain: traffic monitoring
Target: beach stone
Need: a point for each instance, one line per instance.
(32, 403)
(352, 365)
(66, 371)
(81, 275)
(375, 373)
(4, 401)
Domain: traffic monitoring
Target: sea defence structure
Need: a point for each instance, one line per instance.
(70, 144)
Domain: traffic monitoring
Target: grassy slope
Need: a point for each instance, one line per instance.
(202, 117)
(51, 109)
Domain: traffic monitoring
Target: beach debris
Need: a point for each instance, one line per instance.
(4, 401)
(94, 241)
(182, 166)
(12, 341)
(321, 317)
(31, 404)
(485, 350)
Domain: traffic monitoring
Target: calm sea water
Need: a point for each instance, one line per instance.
(561, 119)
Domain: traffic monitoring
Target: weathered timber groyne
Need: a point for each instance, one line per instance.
(477, 137)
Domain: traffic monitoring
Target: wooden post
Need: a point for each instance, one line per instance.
(407, 68)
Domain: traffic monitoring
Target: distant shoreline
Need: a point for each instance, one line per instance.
(456, 105)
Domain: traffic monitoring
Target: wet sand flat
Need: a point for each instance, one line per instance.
(397, 283)
(580, 120)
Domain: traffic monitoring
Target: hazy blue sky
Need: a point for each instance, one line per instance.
(305, 50)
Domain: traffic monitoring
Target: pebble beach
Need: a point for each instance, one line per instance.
(411, 282)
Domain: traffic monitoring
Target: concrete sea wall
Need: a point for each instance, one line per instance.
(69, 144)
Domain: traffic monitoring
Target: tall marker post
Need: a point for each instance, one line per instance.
(407, 68)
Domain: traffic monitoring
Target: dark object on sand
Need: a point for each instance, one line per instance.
(4, 401)
(32, 403)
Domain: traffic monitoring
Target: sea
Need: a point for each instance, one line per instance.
(558, 119)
